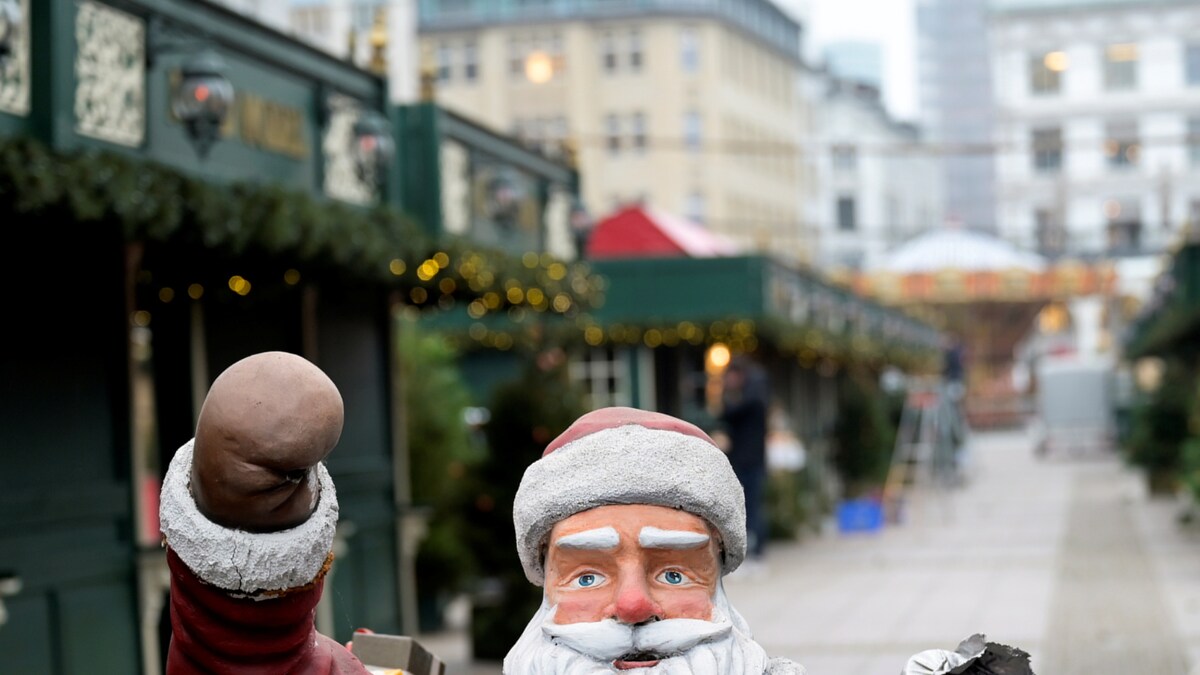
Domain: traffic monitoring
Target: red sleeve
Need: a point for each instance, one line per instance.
(214, 632)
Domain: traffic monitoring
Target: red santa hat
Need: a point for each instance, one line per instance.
(628, 456)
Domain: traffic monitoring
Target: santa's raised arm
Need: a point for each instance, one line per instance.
(248, 514)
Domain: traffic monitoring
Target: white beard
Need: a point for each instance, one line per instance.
(722, 646)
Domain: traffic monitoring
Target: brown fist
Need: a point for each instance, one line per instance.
(265, 424)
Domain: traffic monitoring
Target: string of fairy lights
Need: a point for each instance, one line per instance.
(504, 312)
(503, 297)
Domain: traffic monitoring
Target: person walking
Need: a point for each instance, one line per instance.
(744, 420)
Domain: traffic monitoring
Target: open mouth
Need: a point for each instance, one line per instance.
(637, 660)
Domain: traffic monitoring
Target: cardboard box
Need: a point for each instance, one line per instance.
(388, 654)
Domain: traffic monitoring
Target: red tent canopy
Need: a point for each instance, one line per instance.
(642, 232)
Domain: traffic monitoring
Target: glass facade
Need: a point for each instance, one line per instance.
(955, 84)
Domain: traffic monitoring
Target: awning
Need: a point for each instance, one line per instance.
(643, 232)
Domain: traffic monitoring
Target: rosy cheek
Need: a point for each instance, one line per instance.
(580, 607)
(690, 604)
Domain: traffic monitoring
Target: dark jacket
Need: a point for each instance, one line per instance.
(744, 417)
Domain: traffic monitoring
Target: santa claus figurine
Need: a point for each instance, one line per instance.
(629, 521)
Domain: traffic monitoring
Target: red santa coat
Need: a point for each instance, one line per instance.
(216, 632)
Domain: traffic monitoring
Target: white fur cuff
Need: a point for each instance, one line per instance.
(240, 561)
(629, 465)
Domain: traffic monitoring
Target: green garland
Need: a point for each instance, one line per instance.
(810, 345)
(153, 203)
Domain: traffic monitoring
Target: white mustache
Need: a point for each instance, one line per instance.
(609, 639)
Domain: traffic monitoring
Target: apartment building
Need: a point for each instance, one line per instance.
(1098, 123)
(879, 182)
(691, 107)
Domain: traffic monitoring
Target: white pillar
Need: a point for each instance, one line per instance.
(1087, 315)
(402, 51)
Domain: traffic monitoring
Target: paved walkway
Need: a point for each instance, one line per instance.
(1064, 557)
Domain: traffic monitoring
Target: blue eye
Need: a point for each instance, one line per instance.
(589, 580)
(673, 577)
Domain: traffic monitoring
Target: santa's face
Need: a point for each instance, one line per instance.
(634, 587)
(633, 563)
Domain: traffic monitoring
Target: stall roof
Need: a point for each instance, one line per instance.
(641, 232)
(791, 303)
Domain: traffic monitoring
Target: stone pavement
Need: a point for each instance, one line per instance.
(1065, 557)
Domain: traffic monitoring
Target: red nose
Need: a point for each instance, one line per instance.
(634, 604)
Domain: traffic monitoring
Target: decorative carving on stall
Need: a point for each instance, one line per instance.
(343, 180)
(110, 74)
(14, 69)
(456, 187)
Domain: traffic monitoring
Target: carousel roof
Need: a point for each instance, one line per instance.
(957, 249)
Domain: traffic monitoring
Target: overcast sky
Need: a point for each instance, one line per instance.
(888, 22)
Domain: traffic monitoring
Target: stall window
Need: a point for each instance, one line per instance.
(603, 374)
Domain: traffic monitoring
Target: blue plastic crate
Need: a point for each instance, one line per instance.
(860, 515)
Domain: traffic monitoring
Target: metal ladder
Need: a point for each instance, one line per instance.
(925, 447)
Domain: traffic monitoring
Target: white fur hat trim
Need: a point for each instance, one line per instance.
(629, 464)
(240, 561)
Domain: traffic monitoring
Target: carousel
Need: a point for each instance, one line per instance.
(1001, 307)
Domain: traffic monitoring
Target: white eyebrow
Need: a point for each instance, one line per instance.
(600, 539)
(652, 537)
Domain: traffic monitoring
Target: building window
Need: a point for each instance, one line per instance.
(445, 61)
(694, 209)
(1121, 145)
(1192, 67)
(846, 216)
(692, 130)
(635, 50)
(536, 129)
(1124, 224)
(608, 54)
(612, 134)
(556, 136)
(689, 49)
(638, 124)
(1047, 149)
(557, 55)
(516, 57)
(1045, 72)
(1120, 66)
(1051, 238)
(845, 157)
(1193, 140)
(603, 374)
(470, 61)
(363, 15)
